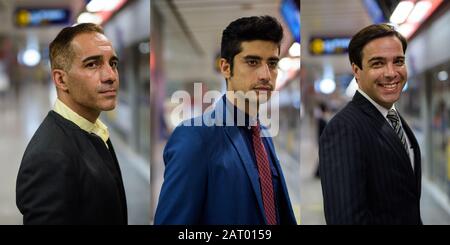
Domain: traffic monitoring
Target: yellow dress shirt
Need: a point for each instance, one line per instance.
(98, 128)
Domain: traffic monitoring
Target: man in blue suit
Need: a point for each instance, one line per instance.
(224, 172)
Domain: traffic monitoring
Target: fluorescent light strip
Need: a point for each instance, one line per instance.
(419, 12)
(406, 29)
(294, 50)
(102, 5)
(401, 12)
(86, 17)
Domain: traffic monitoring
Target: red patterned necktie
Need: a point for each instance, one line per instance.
(265, 176)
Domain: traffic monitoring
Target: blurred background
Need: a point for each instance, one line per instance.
(327, 82)
(27, 92)
(185, 47)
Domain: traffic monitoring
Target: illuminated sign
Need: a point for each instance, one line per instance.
(325, 46)
(25, 17)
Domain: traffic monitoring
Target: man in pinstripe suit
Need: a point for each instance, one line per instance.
(369, 156)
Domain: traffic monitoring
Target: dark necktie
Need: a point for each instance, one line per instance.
(265, 176)
(395, 121)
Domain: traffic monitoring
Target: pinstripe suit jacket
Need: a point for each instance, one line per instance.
(366, 175)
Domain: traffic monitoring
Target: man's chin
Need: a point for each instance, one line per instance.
(108, 107)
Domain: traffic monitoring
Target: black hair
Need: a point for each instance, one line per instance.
(265, 28)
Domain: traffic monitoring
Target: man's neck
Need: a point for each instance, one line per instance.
(243, 104)
(90, 115)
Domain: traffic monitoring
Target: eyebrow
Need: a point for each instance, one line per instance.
(94, 57)
(274, 59)
(252, 57)
(378, 58)
(255, 57)
(98, 57)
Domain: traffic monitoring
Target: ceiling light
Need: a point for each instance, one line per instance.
(419, 12)
(31, 57)
(443, 76)
(102, 5)
(401, 12)
(89, 18)
(327, 86)
(294, 50)
(406, 29)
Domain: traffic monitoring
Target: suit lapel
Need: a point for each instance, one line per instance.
(274, 156)
(383, 128)
(239, 145)
(416, 148)
(241, 148)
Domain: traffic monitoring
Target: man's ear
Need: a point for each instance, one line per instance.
(60, 79)
(225, 68)
(356, 70)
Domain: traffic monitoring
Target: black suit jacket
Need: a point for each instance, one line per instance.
(68, 176)
(366, 174)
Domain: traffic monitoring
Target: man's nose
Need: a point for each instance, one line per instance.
(264, 73)
(389, 71)
(109, 74)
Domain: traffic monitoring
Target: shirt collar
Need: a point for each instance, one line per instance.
(98, 128)
(380, 108)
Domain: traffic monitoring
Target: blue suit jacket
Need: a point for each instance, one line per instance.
(210, 177)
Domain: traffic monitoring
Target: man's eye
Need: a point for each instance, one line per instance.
(273, 64)
(114, 64)
(91, 65)
(400, 62)
(252, 62)
(377, 64)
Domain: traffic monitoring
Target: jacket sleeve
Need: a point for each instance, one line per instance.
(46, 189)
(182, 196)
(343, 175)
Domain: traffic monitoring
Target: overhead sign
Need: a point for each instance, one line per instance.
(27, 17)
(328, 45)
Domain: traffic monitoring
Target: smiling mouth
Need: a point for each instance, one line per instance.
(390, 85)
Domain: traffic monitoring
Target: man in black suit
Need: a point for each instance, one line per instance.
(69, 172)
(369, 157)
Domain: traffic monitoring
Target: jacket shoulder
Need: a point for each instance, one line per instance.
(200, 126)
(52, 135)
(350, 115)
